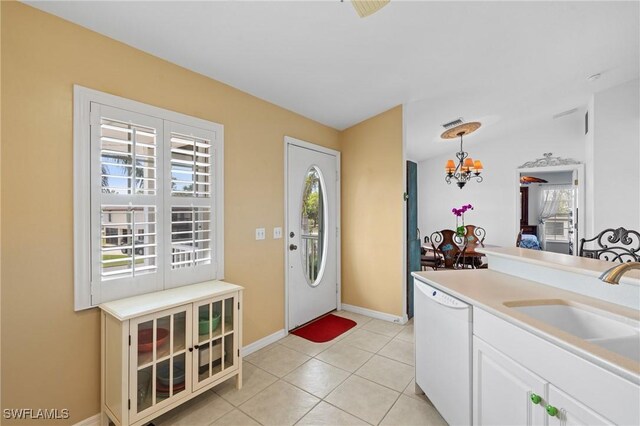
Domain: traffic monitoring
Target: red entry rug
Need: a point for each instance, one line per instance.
(324, 329)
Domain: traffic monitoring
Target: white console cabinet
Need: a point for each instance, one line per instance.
(162, 349)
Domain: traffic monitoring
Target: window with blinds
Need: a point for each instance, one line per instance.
(127, 158)
(148, 198)
(190, 166)
(190, 236)
(128, 241)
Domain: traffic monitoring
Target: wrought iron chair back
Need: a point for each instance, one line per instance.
(431, 259)
(614, 245)
(475, 236)
(446, 243)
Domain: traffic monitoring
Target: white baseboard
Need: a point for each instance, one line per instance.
(91, 421)
(265, 341)
(375, 314)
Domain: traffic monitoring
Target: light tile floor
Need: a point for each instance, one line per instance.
(365, 376)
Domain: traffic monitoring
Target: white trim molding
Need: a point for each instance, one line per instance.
(376, 314)
(261, 343)
(90, 421)
(549, 160)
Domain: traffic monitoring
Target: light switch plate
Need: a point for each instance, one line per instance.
(260, 233)
(277, 233)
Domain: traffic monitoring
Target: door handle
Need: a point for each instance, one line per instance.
(293, 247)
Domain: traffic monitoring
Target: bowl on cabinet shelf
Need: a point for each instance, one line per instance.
(163, 370)
(203, 324)
(145, 338)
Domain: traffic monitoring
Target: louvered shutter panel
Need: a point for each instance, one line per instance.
(127, 208)
(190, 209)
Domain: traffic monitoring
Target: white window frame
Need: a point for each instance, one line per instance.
(83, 97)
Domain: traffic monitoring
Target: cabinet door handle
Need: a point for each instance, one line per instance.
(196, 346)
(190, 349)
(293, 247)
(535, 398)
(551, 410)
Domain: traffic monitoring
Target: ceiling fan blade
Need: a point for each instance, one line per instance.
(368, 7)
(531, 179)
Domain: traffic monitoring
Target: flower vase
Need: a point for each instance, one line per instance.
(460, 230)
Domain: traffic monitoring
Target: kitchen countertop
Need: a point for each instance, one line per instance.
(575, 264)
(489, 290)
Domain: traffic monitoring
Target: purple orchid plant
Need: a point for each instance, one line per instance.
(459, 213)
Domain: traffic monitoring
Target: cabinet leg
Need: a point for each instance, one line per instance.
(239, 379)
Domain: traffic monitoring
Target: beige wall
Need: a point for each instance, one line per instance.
(0, 210)
(50, 354)
(372, 213)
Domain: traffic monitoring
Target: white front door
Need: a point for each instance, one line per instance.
(311, 234)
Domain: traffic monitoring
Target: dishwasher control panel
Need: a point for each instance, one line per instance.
(442, 297)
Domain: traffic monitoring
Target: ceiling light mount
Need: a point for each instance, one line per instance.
(365, 8)
(464, 128)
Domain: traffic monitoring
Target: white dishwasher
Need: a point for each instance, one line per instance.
(443, 333)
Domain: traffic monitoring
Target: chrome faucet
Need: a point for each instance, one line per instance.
(613, 275)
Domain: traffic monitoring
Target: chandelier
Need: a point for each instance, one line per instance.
(466, 168)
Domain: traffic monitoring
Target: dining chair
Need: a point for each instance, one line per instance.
(474, 238)
(446, 244)
(430, 258)
(615, 245)
(475, 235)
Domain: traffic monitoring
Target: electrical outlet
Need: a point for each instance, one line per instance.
(277, 233)
(260, 234)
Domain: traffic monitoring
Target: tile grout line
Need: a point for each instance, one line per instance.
(353, 415)
(258, 393)
(350, 374)
(390, 408)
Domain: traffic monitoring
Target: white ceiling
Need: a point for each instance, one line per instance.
(498, 62)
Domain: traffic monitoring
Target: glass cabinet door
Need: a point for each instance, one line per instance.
(215, 350)
(159, 361)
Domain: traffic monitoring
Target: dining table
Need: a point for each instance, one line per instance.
(470, 252)
(474, 256)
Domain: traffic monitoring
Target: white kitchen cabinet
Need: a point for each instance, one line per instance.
(567, 411)
(505, 393)
(511, 364)
(162, 349)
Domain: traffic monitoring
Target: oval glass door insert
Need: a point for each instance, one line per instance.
(312, 226)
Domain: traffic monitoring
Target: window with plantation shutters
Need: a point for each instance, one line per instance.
(147, 198)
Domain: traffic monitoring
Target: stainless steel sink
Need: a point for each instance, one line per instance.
(613, 332)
